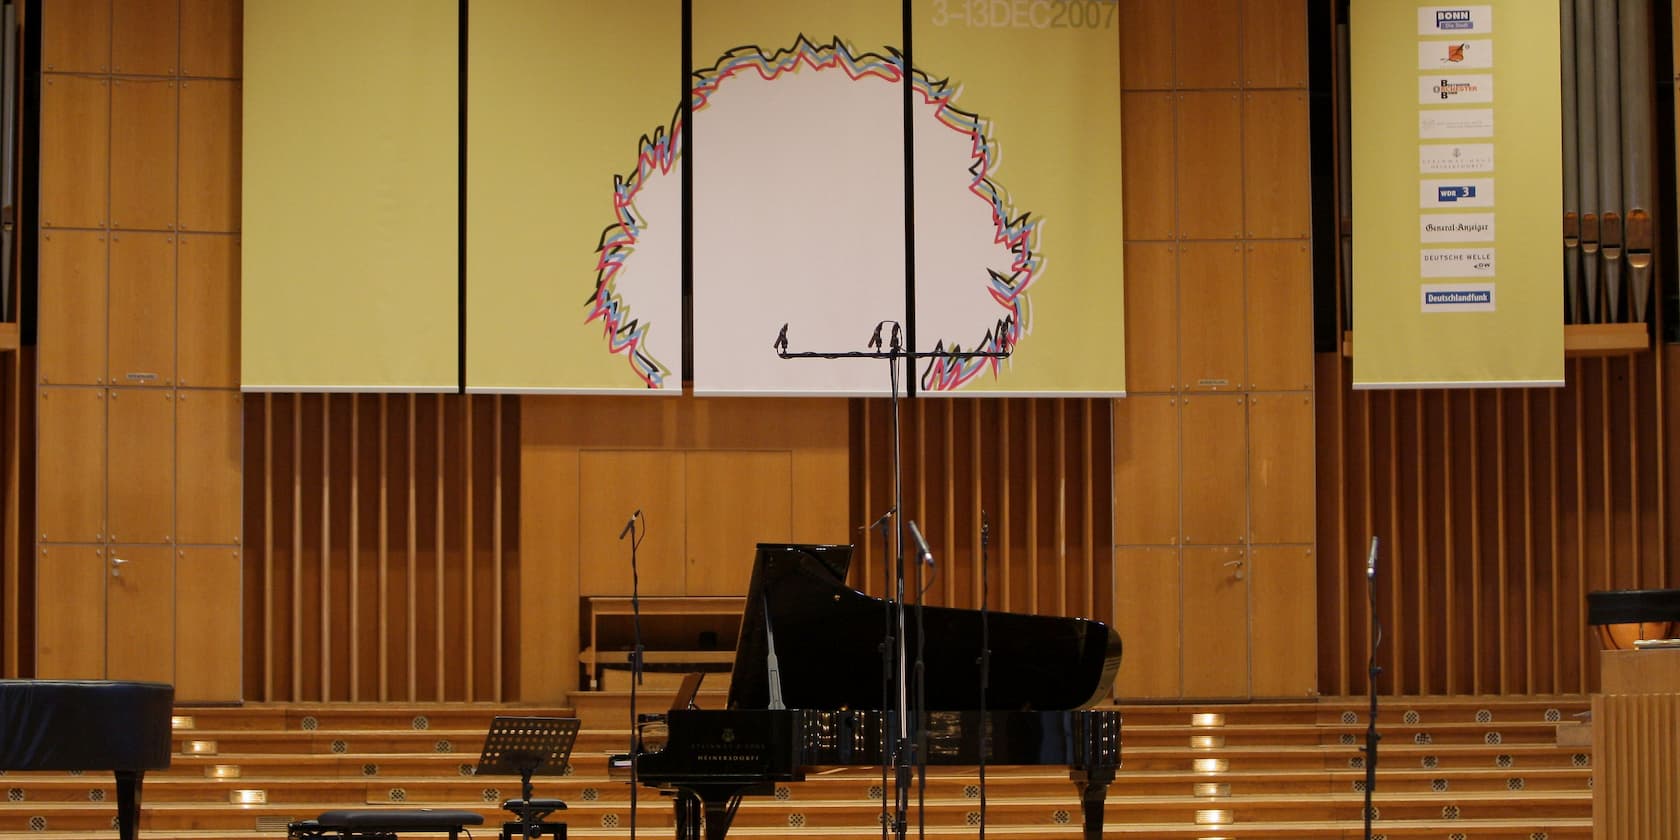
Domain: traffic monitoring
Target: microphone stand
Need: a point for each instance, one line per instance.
(887, 650)
(635, 656)
(985, 662)
(895, 351)
(1371, 736)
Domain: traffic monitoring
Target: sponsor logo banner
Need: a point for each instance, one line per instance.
(1457, 297)
(1455, 55)
(1455, 227)
(1454, 20)
(1456, 262)
(1455, 157)
(1445, 123)
(1439, 89)
(1468, 192)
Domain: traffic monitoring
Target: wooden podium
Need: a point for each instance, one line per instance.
(1636, 746)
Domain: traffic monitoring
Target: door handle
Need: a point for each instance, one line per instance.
(1239, 574)
(116, 566)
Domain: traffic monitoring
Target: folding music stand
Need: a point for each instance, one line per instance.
(525, 746)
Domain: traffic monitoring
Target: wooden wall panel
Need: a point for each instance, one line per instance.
(71, 309)
(734, 501)
(1146, 58)
(143, 122)
(70, 502)
(1206, 38)
(1272, 33)
(145, 37)
(1279, 316)
(1280, 468)
(1215, 608)
(1208, 163)
(548, 482)
(1146, 614)
(1210, 276)
(612, 486)
(1282, 581)
(1151, 317)
(75, 151)
(76, 36)
(1146, 471)
(1214, 467)
(212, 33)
(142, 465)
(207, 311)
(142, 316)
(209, 184)
(207, 630)
(1149, 209)
(1277, 179)
(209, 432)
(140, 613)
(70, 643)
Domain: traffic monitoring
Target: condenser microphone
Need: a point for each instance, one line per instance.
(923, 553)
(627, 526)
(1371, 561)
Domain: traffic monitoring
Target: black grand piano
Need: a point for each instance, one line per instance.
(88, 725)
(1044, 673)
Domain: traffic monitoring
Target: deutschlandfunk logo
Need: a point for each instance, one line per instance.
(1463, 296)
(1458, 297)
(1453, 19)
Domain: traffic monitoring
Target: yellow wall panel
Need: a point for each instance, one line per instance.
(70, 613)
(356, 101)
(207, 628)
(1151, 317)
(211, 34)
(142, 309)
(1280, 468)
(145, 36)
(207, 311)
(208, 437)
(1279, 316)
(76, 36)
(1210, 276)
(142, 465)
(1146, 470)
(70, 465)
(1277, 181)
(1209, 165)
(75, 151)
(71, 308)
(143, 154)
(210, 155)
(1149, 201)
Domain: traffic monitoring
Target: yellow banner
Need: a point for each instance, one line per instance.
(574, 203)
(1457, 194)
(350, 196)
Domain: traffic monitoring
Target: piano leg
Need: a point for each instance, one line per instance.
(128, 803)
(1093, 793)
(719, 802)
(687, 806)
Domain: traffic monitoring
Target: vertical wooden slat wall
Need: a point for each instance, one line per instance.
(381, 530)
(1498, 512)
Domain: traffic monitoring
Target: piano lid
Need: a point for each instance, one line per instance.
(828, 639)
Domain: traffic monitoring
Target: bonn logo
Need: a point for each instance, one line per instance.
(1454, 19)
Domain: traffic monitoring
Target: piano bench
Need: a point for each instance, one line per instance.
(382, 824)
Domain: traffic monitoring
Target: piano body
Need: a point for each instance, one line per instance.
(1044, 672)
(88, 725)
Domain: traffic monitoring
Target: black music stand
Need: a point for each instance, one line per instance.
(525, 746)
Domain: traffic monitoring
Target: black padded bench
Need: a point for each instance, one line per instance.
(382, 824)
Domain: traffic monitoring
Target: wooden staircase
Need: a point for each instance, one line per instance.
(1460, 768)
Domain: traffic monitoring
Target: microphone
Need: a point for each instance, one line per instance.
(985, 529)
(897, 342)
(875, 340)
(628, 525)
(923, 553)
(781, 342)
(1371, 561)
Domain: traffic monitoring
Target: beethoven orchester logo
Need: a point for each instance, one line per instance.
(1448, 88)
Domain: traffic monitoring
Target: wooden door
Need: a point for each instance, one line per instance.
(1215, 622)
(70, 613)
(735, 500)
(140, 613)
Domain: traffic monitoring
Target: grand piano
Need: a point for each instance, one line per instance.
(89, 725)
(1044, 674)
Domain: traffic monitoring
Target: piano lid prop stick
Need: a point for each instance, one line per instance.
(772, 672)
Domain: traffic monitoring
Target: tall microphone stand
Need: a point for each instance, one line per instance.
(1371, 736)
(985, 662)
(893, 353)
(883, 524)
(635, 655)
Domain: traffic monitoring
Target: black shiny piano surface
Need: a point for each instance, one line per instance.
(827, 638)
(88, 725)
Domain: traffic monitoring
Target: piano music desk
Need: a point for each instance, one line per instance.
(664, 622)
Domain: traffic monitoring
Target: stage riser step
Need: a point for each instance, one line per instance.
(304, 717)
